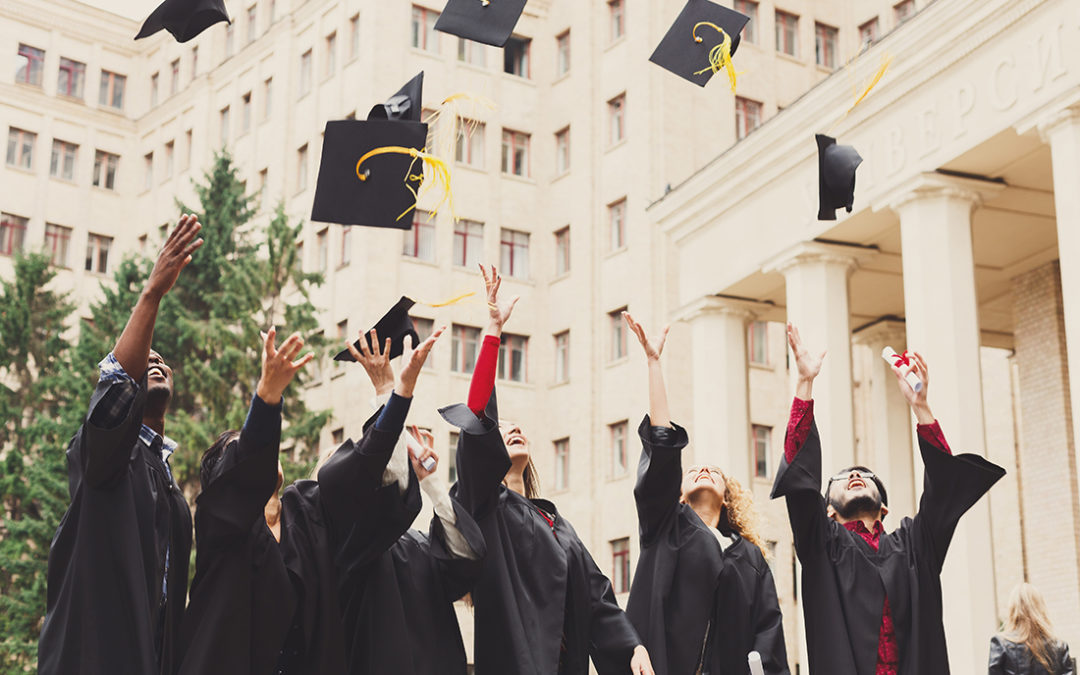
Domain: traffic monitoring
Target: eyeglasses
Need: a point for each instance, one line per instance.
(845, 476)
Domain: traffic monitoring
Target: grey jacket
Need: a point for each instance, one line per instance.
(1010, 658)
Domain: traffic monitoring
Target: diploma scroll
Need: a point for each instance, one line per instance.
(754, 659)
(416, 450)
(894, 359)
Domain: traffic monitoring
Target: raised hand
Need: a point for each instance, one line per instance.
(278, 368)
(414, 361)
(653, 348)
(916, 399)
(808, 365)
(375, 361)
(498, 313)
(640, 663)
(174, 256)
(428, 457)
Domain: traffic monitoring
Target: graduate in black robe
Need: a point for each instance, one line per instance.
(541, 605)
(118, 564)
(703, 595)
(264, 598)
(872, 601)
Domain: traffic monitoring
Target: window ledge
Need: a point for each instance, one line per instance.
(614, 478)
(557, 385)
(560, 176)
(618, 362)
(527, 180)
(784, 56)
(71, 99)
(66, 181)
(560, 277)
(611, 254)
(510, 77)
(472, 66)
(470, 167)
(768, 367)
(616, 42)
(21, 169)
(342, 266)
(110, 109)
(428, 53)
(560, 78)
(419, 261)
(616, 145)
(825, 70)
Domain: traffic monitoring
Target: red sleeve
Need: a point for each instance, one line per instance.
(798, 427)
(932, 434)
(483, 378)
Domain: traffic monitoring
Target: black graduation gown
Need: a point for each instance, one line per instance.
(398, 612)
(845, 581)
(670, 603)
(107, 559)
(242, 600)
(538, 583)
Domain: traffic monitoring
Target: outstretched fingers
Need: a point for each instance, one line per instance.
(303, 361)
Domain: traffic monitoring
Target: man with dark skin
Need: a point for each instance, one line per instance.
(118, 564)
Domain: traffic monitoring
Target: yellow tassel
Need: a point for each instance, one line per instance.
(440, 172)
(446, 303)
(454, 108)
(719, 55)
(886, 60)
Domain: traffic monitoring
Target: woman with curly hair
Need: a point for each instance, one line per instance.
(703, 596)
(1026, 645)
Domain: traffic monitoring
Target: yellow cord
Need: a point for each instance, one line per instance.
(886, 61)
(439, 169)
(719, 55)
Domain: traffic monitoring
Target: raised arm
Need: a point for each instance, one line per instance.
(483, 379)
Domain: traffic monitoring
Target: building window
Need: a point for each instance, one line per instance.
(170, 151)
(419, 242)
(322, 248)
(111, 92)
(424, 329)
(331, 54)
(451, 455)
(301, 168)
(616, 119)
(229, 32)
(273, 14)
(70, 79)
(63, 160)
(516, 56)
(423, 29)
(148, 171)
(354, 36)
(512, 351)
(515, 153)
(562, 251)
(12, 233)
(749, 8)
(757, 340)
(747, 117)
(562, 53)
(514, 253)
(97, 253)
(264, 189)
(470, 143)
(345, 257)
(787, 33)
(30, 65)
(105, 164)
(562, 151)
(562, 357)
(620, 565)
(562, 463)
(154, 89)
(188, 143)
(268, 97)
(465, 345)
(174, 74)
(619, 462)
(337, 436)
(618, 334)
(223, 120)
(20, 148)
(305, 73)
(468, 243)
(245, 113)
(762, 450)
(617, 16)
(194, 62)
(904, 10)
(252, 23)
(868, 32)
(57, 239)
(474, 53)
(825, 45)
(617, 225)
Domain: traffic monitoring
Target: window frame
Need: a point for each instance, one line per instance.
(761, 450)
(14, 227)
(562, 356)
(306, 68)
(513, 142)
(34, 67)
(517, 241)
(750, 9)
(58, 240)
(781, 20)
(562, 251)
(466, 231)
(562, 151)
(76, 77)
(826, 44)
(422, 24)
(69, 160)
(562, 53)
(302, 168)
(620, 565)
(617, 213)
(104, 160)
(469, 147)
(23, 143)
(617, 343)
(422, 232)
(510, 345)
(514, 60)
(561, 451)
(746, 111)
(618, 432)
(96, 254)
(616, 107)
(174, 76)
(109, 89)
(753, 330)
(461, 337)
(616, 20)
(869, 31)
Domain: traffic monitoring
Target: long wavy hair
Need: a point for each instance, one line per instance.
(738, 514)
(1029, 624)
(531, 479)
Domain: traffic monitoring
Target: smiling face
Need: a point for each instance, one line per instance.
(704, 481)
(517, 443)
(854, 493)
(159, 380)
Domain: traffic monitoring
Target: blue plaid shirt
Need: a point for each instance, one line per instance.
(111, 411)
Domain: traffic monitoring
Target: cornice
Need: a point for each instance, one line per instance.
(717, 305)
(932, 185)
(890, 331)
(810, 252)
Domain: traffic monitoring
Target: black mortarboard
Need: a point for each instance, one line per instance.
(406, 104)
(836, 176)
(682, 53)
(184, 19)
(373, 192)
(487, 21)
(395, 325)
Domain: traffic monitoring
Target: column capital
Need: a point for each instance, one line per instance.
(885, 331)
(742, 308)
(1047, 119)
(933, 185)
(807, 252)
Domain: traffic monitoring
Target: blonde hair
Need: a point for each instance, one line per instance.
(1028, 623)
(531, 479)
(739, 516)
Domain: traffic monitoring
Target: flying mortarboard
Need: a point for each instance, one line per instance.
(405, 105)
(488, 21)
(184, 19)
(395, 325)
(701, 41)
(836, 176)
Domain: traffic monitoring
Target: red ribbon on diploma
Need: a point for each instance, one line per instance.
(902, 359)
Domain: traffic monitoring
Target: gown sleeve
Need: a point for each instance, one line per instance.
(1067, 666)
(769, 625)
(659, 477)
(799, 482)
(611, 634)
(482, 459)
(997, 657)
(103, 445)
(458, 572)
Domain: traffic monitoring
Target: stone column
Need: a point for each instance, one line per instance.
(942, 324)
(721, 428)
(816, 276)
(888, 435)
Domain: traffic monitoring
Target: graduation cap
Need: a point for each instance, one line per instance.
(406, 104)
(488, 21)
(395, 325)
(701, 41)
(836, 176)
(184, 19)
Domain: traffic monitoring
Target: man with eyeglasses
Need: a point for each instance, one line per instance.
(872, 600)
